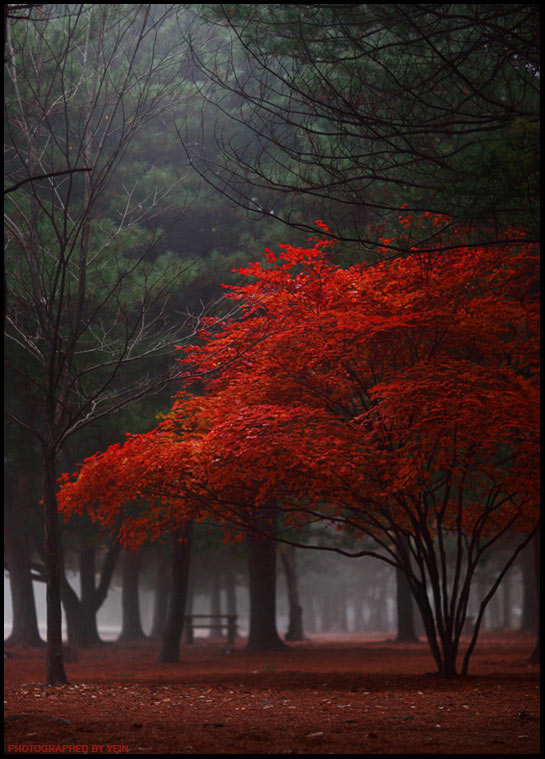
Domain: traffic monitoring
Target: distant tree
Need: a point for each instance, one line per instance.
(536, 653)
(20, 500)
(22, 517)
(95, 579)
(131, 623)
(347, 111)
(295, 629)
(180, 560)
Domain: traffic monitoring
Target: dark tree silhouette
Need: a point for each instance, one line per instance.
(351, 110)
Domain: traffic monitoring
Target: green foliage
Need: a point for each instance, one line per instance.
(356, 109)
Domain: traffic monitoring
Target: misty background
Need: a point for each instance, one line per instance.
(339, 595)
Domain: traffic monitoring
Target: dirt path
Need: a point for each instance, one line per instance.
(318, 697)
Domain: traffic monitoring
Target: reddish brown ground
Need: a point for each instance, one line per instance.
(319, 697)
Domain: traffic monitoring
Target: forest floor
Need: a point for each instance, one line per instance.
(343, 695)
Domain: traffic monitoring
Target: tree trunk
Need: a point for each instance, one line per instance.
(341, 611)
(230, 592)
(22, 487)
(405, 613)
(406, 632)
(131, 624)
(25, 621)
(295, 626)
(357, 601)
(215, 602)
(160, 604)
(379, 612)
(310, 605)
(428, 620)
(89, 606)
(507, 587)
(535, 657)
(72, 613)
(55, 674)
(328, 620)
(529, 600)
(81, 613)
(180, 559)
(263, 635)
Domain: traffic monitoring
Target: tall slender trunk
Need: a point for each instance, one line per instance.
(215, 602)
(310, 605)
(295, 626)
(72, 608)
(160, 603)
(25, 621)
(230, 592)
(89, 605)
(19, 497)
(341, 611)
(507, 587)
(379, 610)
(529, 599)
(180, 560)
(535, 656)
(406, 632)
(131, 624)
(357, 603)
(263, 635)
(55, 674)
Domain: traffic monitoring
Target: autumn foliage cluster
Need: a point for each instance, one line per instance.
(378, 396)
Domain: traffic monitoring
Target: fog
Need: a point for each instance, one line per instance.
(339, 595)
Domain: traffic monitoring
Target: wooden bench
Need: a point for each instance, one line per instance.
(217, 621)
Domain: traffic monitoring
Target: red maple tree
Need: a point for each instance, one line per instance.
(397, 400)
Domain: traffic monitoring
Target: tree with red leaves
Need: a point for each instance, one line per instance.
(396, 401)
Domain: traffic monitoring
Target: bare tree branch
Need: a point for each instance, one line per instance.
(42, 176)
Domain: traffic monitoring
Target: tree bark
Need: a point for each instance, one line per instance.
(295, 626)
(406, 632)
(379, 618)
(263, 635)
(529, 600)
(89, 607)
(72, 609)
(55, 674)
(310, 605)
(359, 623)
(25, 621)
(507, 587)
(215, 602)
(131, 624)
(19, 496)
(405, 613)
(81, 613)
(160, 604)
(230, 592)
(341, 611)
(180, 560)
(535, 656)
